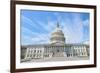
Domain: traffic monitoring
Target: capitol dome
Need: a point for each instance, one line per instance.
(57, 37)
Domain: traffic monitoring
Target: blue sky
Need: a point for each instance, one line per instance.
(36, 26)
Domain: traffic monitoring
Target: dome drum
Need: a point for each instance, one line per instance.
(57, 38)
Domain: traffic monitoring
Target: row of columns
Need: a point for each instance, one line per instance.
(81, 51)
(32, 53)
(48, 51)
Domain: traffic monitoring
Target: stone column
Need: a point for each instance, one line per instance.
(26, 54)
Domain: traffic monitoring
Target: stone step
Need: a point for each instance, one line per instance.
(60, 54)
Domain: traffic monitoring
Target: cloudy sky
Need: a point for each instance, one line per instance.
(36, 26)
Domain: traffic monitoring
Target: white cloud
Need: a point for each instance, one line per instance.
(72, 28)
(45, 26)
(38, 39)
(28, 21)
(86, 22)
(41, 39)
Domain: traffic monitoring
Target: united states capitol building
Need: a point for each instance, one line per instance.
(57, 49)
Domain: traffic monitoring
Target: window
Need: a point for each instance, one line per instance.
(28, 55)
(37, 51)
(82, 53)
(34, 51)
(40, 51)
(57, 50)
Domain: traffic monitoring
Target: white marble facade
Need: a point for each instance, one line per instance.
(49, 51)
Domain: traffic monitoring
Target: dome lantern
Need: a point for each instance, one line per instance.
(57, 25)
